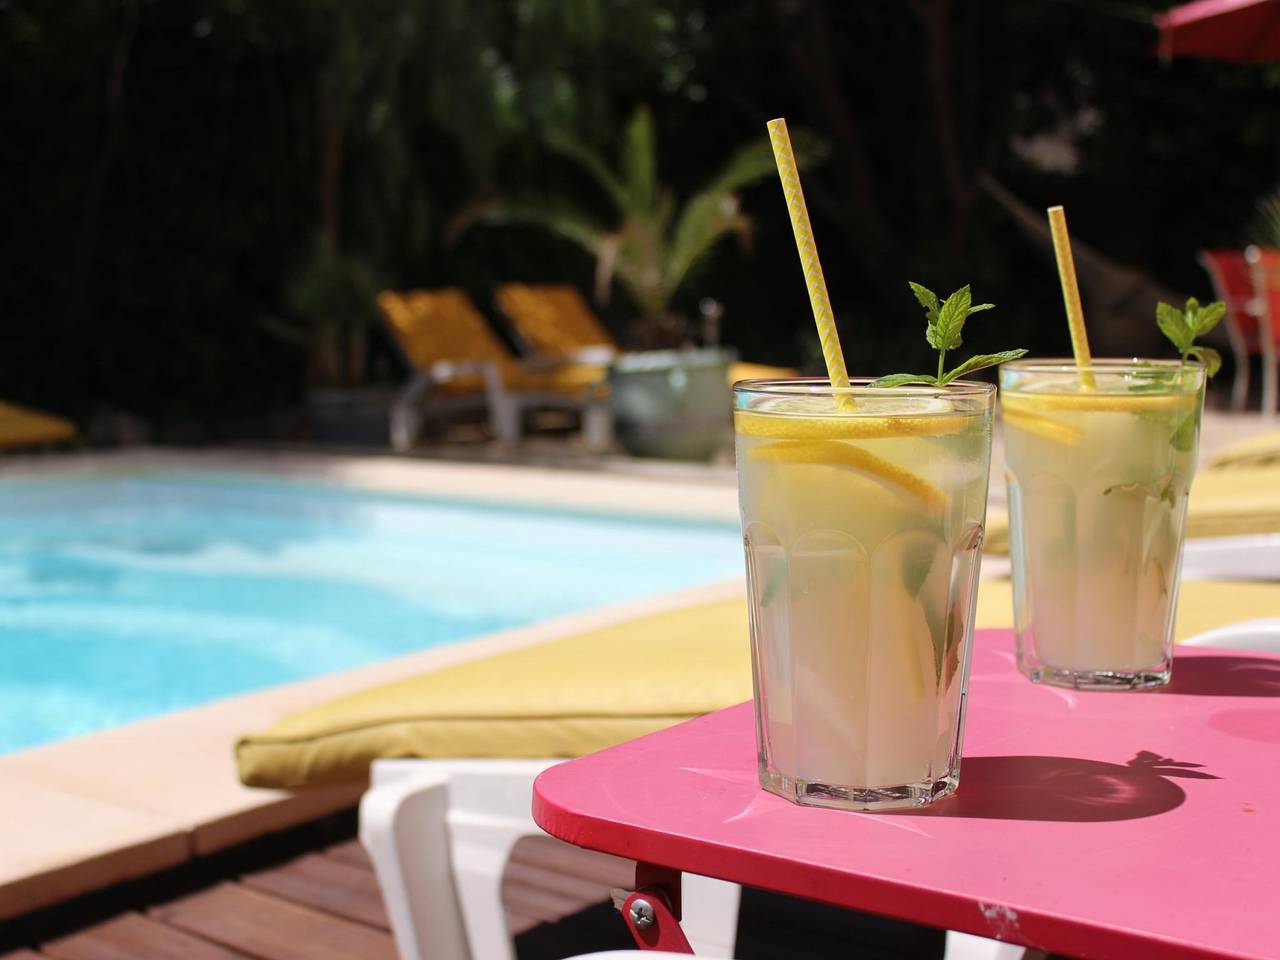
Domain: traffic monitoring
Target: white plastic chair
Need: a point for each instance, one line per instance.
(440, 832)
(1251, 557)
(1262, 635)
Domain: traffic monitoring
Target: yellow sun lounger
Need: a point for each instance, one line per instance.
(582, 693)
(447, 342)
(24, 427)
(554, 319)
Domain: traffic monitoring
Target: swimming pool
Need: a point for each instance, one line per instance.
(124, 596)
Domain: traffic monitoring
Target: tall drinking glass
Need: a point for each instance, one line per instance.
(1098, 480)
(863, 534)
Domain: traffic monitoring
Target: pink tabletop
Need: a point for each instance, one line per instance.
(1093, 824)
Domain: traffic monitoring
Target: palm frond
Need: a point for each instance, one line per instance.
(592, 163)
(706, 218)
(639, 163)
(755, 160)
(571, 224)
(714, 211)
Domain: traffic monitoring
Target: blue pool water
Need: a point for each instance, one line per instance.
(126, 596)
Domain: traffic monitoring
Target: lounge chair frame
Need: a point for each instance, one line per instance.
(505, 408)
(440, 832)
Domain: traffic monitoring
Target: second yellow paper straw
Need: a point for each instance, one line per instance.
(1071, 295)
(813, 277)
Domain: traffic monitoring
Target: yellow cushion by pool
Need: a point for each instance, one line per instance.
(23, 427)
(1224, 503)
(583, 693)
(1202, 604)
(558, 699)
(1262, 450)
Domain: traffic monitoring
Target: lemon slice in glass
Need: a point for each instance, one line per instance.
(834, 453)
(798, 418)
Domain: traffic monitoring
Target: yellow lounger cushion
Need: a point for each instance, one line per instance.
(563, 698)
(1202, 604)
(1224, 503)
(553, 318)
(23, 427)
(1262, 450)
(742, 370)
(583, 693)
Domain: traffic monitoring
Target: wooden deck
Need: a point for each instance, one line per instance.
(314, 904)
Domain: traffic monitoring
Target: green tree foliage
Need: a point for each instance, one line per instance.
(648, 243)
(175, 172)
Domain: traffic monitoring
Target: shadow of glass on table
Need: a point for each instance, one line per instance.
(1068, 789)
(1225, 676)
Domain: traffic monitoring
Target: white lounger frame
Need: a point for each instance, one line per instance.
(440, 833)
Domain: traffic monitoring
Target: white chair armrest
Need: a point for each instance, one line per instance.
(1253, 557)
(1262, 634)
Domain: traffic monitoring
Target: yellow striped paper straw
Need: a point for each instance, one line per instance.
(1071, 295)
(813, 278)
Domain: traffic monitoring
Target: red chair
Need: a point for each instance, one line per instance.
(1264, 265)
(1248, 315)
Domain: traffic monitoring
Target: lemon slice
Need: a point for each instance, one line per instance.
(1097, 402)
(1047, 427)
(836, 454)
(783, 427)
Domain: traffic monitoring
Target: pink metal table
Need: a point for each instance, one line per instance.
(1093, 824)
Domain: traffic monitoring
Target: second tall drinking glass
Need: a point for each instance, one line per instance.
(1098, 479)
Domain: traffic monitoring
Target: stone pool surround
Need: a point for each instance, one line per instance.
(80, 814)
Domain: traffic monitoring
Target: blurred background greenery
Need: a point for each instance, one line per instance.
(202, 196)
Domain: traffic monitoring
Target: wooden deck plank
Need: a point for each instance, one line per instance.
(131, 936)
(349, 852)
(326, 885)
(549, 853)
(586, 892)
(546, 905)
(273, 929)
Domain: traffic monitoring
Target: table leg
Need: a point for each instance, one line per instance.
(652, 910)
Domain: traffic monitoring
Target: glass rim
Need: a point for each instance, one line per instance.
(860, 387)
(1067, 365)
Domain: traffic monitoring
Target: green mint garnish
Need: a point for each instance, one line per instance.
(945, 321)
(1183, 326)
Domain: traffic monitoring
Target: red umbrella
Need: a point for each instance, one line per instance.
(1239, 30)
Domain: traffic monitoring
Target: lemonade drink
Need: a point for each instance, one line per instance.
(1098, 480)
(863, 533)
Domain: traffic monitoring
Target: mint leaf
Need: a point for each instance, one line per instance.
(1210, 357)
(898, 379)
(1183, 326)
(927, 299)
(945, 321)
(1173, 325)
(945, 334)
(1184, 437)
(981, 362)
(1208, 318)
(917, 561)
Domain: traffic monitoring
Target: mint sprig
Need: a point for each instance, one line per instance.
(1183, 326)
(945, 321)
